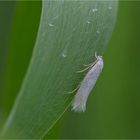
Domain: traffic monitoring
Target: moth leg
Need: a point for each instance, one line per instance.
(83, 70)
(89, 66)
(70, 92)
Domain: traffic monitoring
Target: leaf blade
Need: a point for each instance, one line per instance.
(67, 39)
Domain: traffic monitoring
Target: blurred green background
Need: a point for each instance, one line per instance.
(113, 110)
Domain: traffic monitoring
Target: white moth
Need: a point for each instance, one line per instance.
(80, 99)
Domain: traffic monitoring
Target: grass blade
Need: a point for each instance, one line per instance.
(70, 32)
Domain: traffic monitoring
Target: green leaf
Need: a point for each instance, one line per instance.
(69, 34)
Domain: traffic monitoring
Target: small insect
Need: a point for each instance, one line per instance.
(89, 81)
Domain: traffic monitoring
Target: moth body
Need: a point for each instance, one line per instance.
(89, 81)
